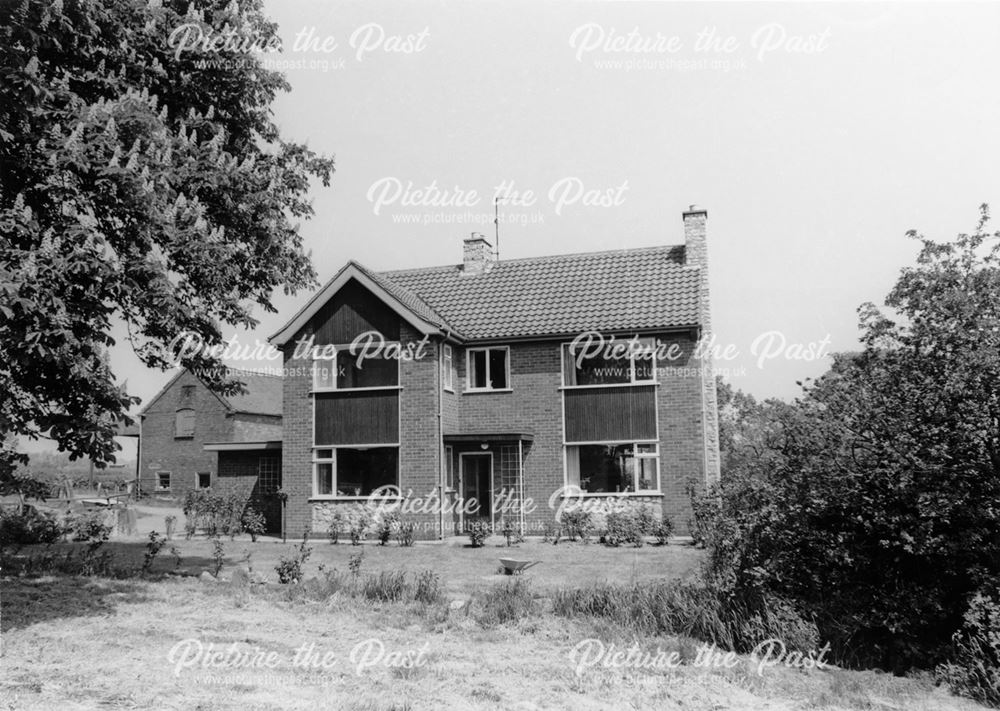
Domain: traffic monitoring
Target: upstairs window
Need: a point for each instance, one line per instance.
(343, 371)
(184, 424)
(628, 365)
(448, 368)
(488, 368)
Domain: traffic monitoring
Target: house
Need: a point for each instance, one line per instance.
(463, 394)
(193, 438)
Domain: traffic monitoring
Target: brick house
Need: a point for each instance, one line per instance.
(466, 389)
(193, 438)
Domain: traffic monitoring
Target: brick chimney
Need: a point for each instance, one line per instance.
(696, 255)
(477, 254)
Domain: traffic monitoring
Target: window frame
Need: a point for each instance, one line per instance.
(449, 468)
(631, 382)
(468, 369)
(197, 480)
(636, 455)
(337, 350)
(448, 368)
(170, 481)
(333, 460)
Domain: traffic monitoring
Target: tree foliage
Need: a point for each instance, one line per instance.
(874, 499)
(139, 185)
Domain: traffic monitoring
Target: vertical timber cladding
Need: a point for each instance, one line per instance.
(604, 414)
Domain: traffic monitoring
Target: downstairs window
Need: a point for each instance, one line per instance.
(614, 468)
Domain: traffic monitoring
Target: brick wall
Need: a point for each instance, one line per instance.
(183, 458)
(256, 428)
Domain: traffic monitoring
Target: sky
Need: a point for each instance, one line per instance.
(815, 135)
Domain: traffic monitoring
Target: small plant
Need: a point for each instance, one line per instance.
(289, 569)
(89, 527)
(428, 587)
(387, 526)
(974, 667)
(479, 531)
(359, 529)
(405, 533)
(218, 555)
(387, 586)
(153, 546)
(176, 553)
(253, 523)
(577, 523)
(354, 563)
(170, 522)
(336, 526)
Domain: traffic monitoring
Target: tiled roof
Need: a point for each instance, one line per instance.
(406, 297)
(621, 289)
(263, 393)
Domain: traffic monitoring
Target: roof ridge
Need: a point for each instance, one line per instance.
(543, 258)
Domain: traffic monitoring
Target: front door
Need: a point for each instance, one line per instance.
(476, 472)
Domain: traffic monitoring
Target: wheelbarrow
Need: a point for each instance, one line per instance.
(516, 567)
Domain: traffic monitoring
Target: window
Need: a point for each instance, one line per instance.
(203, 480)
(163, 481)
(626, 467)
(448, 368)
(268, 474)
(343, 371)
(184, 424)
(449, 467)
(627, 362)
(354, 471)
(488, 368)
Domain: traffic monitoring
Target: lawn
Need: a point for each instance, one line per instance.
(82, 643)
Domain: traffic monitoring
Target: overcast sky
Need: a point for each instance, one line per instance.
(814, 134)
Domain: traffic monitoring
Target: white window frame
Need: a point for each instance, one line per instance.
(468, 369)
(197, 480)
(658, 491)
(332, 459)
(337, 350)
(449, 468)
(170, 481)
(448, 368)
(563, 352)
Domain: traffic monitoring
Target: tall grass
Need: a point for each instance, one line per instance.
(508, 602)
(726, 619)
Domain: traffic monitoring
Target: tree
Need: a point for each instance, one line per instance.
(143, 181)
(877, 504)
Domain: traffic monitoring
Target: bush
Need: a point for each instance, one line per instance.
(663, 530)
(387, 526)
(254, 523)
(88, 526)
(479, 531)
(216, 512)
(623, 527)
(359, 529)
(28, 527)
(974, 669)
(405, 533)
(508, 602)
(336, 527)
(577, 523)
(289, 568)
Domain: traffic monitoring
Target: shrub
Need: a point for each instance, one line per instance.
(623, 527)
(218, 556)
(88, 526)
(663, 529)
(405, 533)
(217, 513)
(645, 520)
(507, 602)
(156, 542)
(577, 523)
(289, 568)
(29, 526)
(387, 526)
(974, 668)
(359, 529)
(254, 523)
(479, 531)
(335, 528)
